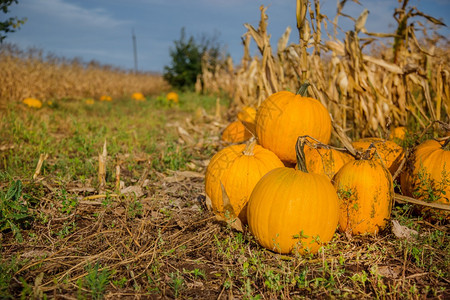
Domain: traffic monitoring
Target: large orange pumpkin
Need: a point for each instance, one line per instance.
(366, 194)
(236, 132)
(325, 161)
(389, 152)
(238, 168)
(284, 116)
(427, 176)
(291, 210)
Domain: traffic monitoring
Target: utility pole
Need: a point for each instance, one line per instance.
(134, 51)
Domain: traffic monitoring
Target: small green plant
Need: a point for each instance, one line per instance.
(176, 282)
(121, 282)
(14, 213)
(66, 229)
(68, 203)
(429, 189)
(135, 209)
(95, 281)
(272, 280)
(173, 157)
(7, 270)
(196, 273)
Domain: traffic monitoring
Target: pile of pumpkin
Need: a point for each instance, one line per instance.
(293, 190)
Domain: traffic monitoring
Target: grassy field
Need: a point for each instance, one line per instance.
(147, 231)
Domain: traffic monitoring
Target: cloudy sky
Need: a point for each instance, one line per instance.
(101, 29)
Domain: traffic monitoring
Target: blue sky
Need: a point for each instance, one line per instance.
(101, 29)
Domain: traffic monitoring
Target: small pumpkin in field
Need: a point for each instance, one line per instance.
(291, 210)
(366, 195)
(427, 175)
(236, 132)
(389, 152)
(237, 168)
(138, 97)
(325, 161)
(172, 97)
(247, 116)
(398, 133)
(284, 116)
(32, 102)
(106, 98)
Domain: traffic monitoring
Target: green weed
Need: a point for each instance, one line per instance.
(14, 212)
(95, 281)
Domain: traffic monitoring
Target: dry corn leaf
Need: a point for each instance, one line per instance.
(230, 217)
(185, 136)
(382, 63)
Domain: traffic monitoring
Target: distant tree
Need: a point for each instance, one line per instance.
(10, 24)
(187, 56)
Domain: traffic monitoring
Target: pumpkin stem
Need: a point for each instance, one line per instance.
(249, 149)
(446, 145)
(368, 153)
(301, 161)
(303, 89)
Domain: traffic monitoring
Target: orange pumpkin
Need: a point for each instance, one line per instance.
(325, 161)
(427, 176)
(236, 132)
(284, 116)
(366, 194)
(238, 168)
(389, 152)
(398, 133)
(291, 210)
(247, 116)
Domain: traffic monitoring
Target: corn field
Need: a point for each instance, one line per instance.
(364, 84)
(29, 74)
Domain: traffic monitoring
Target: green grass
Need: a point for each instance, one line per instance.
(69, 238)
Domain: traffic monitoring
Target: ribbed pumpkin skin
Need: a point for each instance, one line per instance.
(429, 163)
(325, 161)
(284, 116)
(239, 174)
(366, 195)
(288, 203)
(391, 154)
(235, 132)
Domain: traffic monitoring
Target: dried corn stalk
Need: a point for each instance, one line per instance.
(362, 89)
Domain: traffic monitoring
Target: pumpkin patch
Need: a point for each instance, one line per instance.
(211, 177)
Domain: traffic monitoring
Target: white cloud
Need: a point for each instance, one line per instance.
(75, 15)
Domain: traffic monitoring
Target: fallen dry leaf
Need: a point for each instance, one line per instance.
(389, 271)
(137, 190)
(401, 231)
(185, 136)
